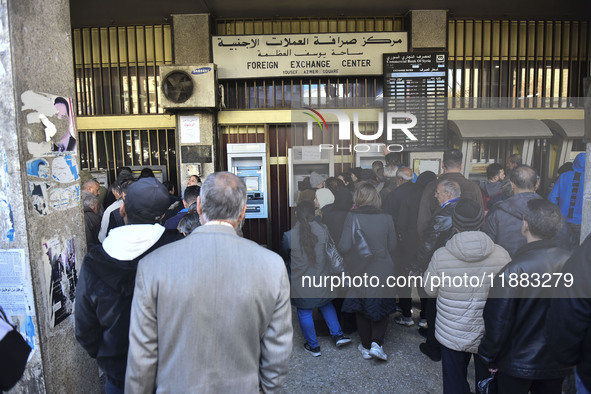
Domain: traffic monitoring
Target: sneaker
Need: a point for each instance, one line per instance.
(427, 351)
(377, 351)
(423, 323)
(313, 351)
(341, 340)
(404, 321)
(364, 352)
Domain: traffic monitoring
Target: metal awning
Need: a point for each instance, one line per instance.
(567, 128)
(500, 129)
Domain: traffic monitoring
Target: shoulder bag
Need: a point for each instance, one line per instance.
(360, 247)
(14, 352)
(335, 260)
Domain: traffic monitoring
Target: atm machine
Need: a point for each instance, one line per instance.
(364, 159)
(249, 162)
(302, 161)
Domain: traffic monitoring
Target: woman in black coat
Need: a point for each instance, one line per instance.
(371, 308)
(333, 217)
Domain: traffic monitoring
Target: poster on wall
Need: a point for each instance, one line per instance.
(51, 123)
(61, 278)
(6, 215)
(15, 295)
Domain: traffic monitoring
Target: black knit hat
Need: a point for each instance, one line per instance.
(467, 215)
(145, 201)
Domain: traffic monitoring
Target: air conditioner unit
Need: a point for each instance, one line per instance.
(188, 86)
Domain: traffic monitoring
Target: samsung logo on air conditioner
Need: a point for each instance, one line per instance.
(201, 70)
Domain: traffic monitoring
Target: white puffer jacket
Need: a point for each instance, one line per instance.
(464, 269)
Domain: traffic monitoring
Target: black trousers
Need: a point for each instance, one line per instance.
(454, 366)
(511, 385)
(371, 331)
(431, 311)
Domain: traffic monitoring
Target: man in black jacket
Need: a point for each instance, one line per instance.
(438, 232)
(107, 279)
(569, 318)
(503, 222)
(519, 299)
(452, 170)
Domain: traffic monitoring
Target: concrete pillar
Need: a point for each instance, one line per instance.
(41, 220)
(586, 220)
(428, 29)
(192, 46)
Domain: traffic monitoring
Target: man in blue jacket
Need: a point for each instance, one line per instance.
(567, 193)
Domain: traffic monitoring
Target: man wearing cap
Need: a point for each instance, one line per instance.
(459, 325)
(217, 320)
(107, 278)
(516, 312)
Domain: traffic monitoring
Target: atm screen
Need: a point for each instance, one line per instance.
(252, 183)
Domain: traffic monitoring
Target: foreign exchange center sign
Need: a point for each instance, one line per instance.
(291, 55)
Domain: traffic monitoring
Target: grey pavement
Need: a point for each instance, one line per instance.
(345, 371)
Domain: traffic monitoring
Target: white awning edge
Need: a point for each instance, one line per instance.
(567, 128)
(500, 129)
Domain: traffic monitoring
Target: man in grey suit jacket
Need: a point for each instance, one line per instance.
(211, 313)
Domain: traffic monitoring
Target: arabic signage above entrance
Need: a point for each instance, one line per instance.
(295, 55)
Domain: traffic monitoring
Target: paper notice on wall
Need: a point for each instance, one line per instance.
(12, 279)
(16, 294)
(310, 153)
(427, 165)
(190, 132)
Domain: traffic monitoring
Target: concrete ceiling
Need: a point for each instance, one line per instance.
(86, 13)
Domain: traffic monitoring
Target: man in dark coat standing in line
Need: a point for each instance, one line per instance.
(503, 222)
(568, 327)
(452, 170)
(392, 205)
(107, 279)
(515, 314)
(438, 232)
(408, 236)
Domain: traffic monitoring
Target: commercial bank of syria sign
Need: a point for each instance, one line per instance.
(296, 55)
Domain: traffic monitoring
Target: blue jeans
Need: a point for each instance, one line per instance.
(110, 388)
(454, 366)
(581, 389)
(307, 323)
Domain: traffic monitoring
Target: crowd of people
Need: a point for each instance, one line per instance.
(164, 274)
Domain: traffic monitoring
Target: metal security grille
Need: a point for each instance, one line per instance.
(117, 68)
(345, 92)
(108, 150)
(308, 25)
(517, 64)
